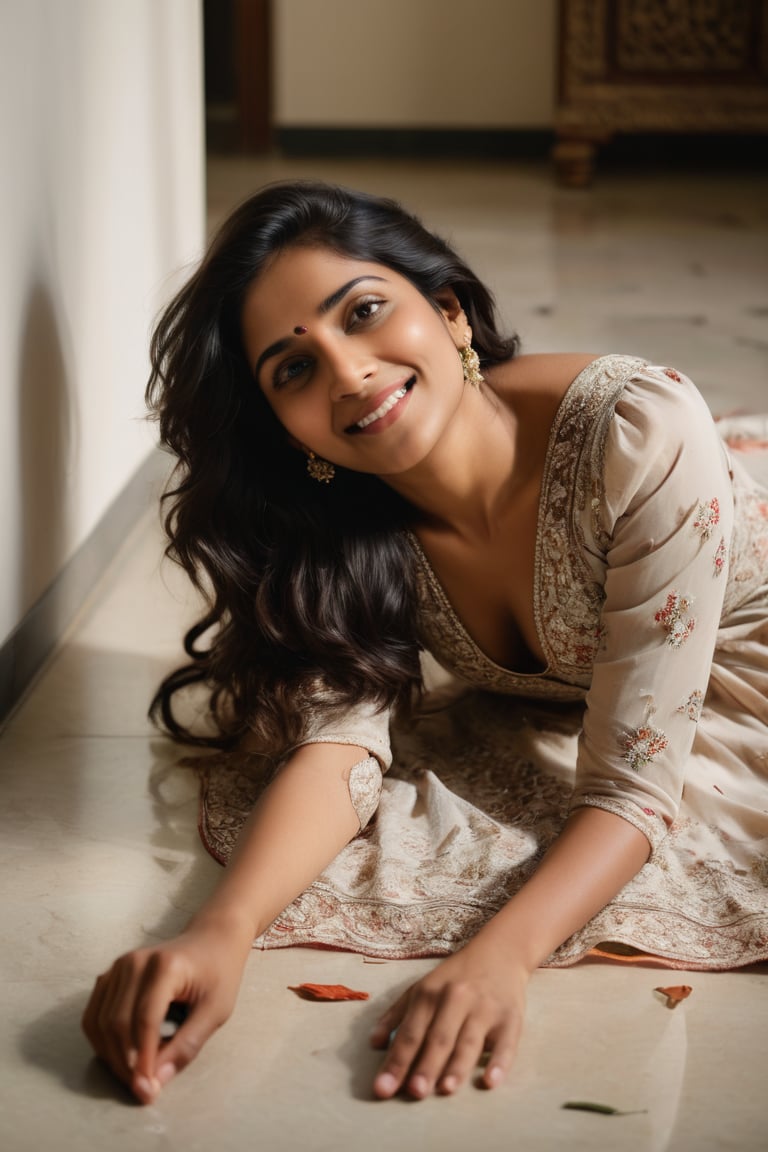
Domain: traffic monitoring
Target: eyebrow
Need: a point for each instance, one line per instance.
(326, 305)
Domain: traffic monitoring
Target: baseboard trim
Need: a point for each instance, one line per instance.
(416, 143)
(626, 150)
(32, 642)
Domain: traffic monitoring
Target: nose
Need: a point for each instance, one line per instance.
(352, 367)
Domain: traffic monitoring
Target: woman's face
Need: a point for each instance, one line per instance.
(357, 365)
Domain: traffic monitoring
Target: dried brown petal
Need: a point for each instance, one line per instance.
(327, 992)
(675, 994)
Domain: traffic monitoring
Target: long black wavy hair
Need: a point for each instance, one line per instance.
(310, 588)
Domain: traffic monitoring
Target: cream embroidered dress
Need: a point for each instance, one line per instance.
(651, 605)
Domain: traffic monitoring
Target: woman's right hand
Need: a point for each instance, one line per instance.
(201, 969)
(301, 822)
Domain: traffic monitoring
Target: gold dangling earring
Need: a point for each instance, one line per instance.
(470, 363)
(321, 470)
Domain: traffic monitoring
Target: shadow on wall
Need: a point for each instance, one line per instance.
(46, 452)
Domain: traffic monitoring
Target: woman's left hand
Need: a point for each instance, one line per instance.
(471, 1003)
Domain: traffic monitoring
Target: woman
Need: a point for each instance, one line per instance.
(366, 468)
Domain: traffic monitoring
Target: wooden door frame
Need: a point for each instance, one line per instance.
(252, 53)
(238, 75)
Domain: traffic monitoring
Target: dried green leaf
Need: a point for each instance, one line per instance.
(603, 1109)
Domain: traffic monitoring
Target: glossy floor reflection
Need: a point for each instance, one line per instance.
(99, 844)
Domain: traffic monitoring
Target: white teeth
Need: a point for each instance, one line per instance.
(382, 409)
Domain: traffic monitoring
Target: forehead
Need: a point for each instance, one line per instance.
(305, 273)
(294, 284)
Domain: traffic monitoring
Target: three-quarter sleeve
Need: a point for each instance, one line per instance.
(663, 517)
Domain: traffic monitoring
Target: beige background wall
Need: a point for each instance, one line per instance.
(101, 197)
(415, 63)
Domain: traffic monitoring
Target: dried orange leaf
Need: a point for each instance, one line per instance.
(675, 994)
(327, 992)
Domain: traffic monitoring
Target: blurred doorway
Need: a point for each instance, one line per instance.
(237, 38)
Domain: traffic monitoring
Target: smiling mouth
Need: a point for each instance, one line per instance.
(386, 406)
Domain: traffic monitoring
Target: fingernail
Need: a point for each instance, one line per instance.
(131, 1058)
(147, 1087)
(165, 1073)
(386, 1083)
(449, 1084)
(493, 1075)
(418, 1085)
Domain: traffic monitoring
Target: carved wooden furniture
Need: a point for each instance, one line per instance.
(646, 66)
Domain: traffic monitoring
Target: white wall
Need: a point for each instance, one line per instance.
(415, 63)
(102, 197)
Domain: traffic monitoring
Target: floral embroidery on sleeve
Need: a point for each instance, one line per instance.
(707, 518)
(693, 705)
(642, 745)
(673, 619)
(720, 557)
(673, 375)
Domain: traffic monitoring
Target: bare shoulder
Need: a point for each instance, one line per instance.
(548, 374)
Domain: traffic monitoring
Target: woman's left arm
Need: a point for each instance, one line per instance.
(474, 1001)
(665, 514)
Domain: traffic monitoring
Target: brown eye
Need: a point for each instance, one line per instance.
(366, 310)
(290, 371)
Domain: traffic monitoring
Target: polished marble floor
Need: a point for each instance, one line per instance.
(99, 847)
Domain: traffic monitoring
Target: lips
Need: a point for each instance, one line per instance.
(390, 401)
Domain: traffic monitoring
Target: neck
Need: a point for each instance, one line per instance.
(470, 475)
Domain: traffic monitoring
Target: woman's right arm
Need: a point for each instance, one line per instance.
(299, 825)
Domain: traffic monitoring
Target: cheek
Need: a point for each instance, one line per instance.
(427, 339)
(300, 416)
